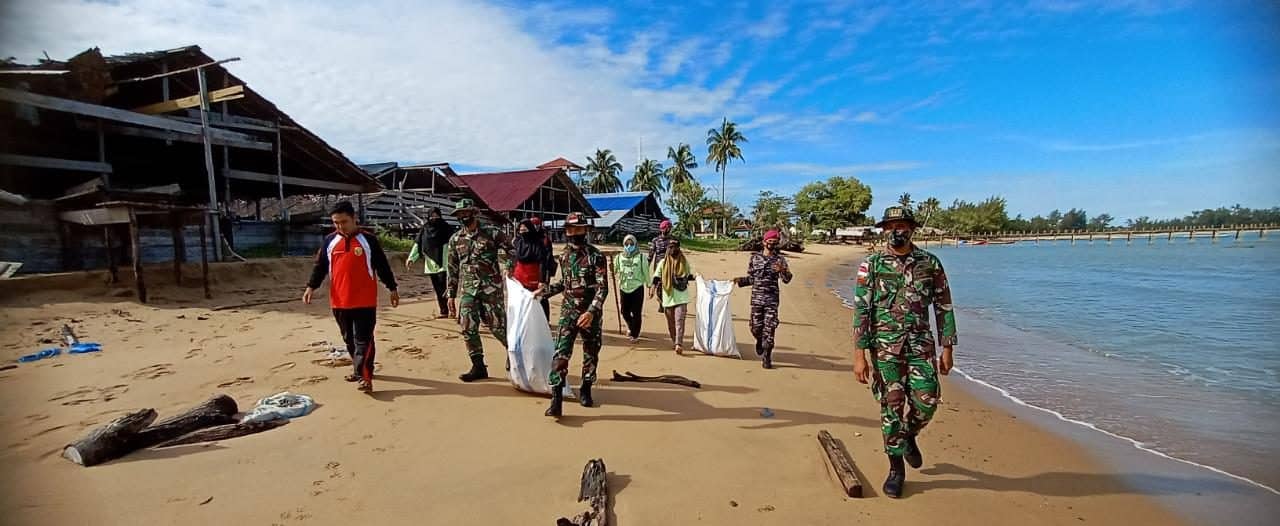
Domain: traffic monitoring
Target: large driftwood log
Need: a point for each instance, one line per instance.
(595, 491)
(224, 432)
(841, 464)
(666, 379)
(111, 441)
(215, 411)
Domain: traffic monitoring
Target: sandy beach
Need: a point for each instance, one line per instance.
(428, 449)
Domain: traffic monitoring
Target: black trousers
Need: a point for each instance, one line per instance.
(356, 326)
(546, 308)
(632, 307)
(440, 286)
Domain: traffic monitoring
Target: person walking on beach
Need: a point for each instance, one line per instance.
(892, 295)
(429, 246)
(351, 257)
(535, 264)
(671, 284)
(658, 249)
(475, 285)
(584, 281)
(632, 269)
(763, 272)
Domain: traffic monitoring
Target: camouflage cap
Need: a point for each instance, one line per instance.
(576, 219)
(895, 213)
(464, 205)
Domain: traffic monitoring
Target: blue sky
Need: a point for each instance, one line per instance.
(1127, 107)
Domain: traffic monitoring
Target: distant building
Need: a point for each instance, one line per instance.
(622, 213)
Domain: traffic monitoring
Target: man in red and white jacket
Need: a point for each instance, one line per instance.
(352, 257)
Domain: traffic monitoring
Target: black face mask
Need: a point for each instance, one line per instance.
(899, 238)
(434, 220)
(578, 240)
(470, 221)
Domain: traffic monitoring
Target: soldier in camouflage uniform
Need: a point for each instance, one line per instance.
(476, 291)
(585, 283)
(763, 272)
(894, 290)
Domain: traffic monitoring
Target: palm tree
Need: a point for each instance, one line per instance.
(905, 200)
(603, 169)
(648, 178)
(722, 147)
(928, 207)
(682, 161)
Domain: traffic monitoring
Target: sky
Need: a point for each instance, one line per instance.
(1130, 107)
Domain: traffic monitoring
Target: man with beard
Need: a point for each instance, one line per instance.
(894, 290)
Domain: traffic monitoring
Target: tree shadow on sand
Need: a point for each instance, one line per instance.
(1065, 484)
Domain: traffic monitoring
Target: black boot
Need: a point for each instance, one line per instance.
(478, 370)
(759, 349)
(557, 400)
(913, 456)
(584, 395)
(767, 362)
(897, 477)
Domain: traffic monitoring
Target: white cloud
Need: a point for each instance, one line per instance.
(468, 83)
(773, 26)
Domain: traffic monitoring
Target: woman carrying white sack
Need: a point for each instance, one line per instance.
(672, 277)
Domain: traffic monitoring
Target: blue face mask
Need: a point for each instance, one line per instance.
(631, 249)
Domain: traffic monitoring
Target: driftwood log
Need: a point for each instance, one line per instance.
(224, 432)
(666, 379)
(136, 431)
(111, 441)
(840, 462)
(215, 411)
(595, 492)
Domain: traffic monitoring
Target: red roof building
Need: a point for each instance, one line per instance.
(561, 162)
(544, 192)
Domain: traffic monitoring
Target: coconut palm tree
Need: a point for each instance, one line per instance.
(928, 207)
(682, 161)
(722, 147)
(602, 170)
(648, 178)
(905, 200)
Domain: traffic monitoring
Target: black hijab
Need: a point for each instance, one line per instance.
(530, 247)
(435, 234)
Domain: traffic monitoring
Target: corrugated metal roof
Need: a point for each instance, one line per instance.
(560, 162)
(506, 191)
(624, 201)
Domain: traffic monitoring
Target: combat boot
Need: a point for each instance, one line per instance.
(584, 395)
(767, 361)
(557, 400)
(913, 456)
(897, 477)
(478, 370)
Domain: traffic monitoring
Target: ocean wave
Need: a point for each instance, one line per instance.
(1089, 425)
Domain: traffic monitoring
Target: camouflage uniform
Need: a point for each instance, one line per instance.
(891, 319)
(585, 283)
(763, 280)
(475, 278)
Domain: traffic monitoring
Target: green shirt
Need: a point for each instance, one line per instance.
(431, 266)
(632, 271)
(672, 297)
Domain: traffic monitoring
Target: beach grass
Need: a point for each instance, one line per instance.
(710, 245)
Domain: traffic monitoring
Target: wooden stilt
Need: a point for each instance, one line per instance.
(179, 246)
(113, 271)
(204, 256)
(136, 241)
